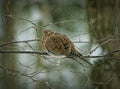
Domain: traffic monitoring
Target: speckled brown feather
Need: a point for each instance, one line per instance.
(58, 44)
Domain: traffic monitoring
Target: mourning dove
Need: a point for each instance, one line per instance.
(59, 44)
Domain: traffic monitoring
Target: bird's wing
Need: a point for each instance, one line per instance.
(58, 44)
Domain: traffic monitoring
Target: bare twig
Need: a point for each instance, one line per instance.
(27, 29)
(24, 65)
(30, 46)
(24, 52)
(14, 42)
(8, 70)
(66, 21)
(21, 18)
(101, 44)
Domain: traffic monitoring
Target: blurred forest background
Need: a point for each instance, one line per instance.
(93, 26)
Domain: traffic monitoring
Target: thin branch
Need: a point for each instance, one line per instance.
(21, 18)
(103, 55)
(14, 42)
(24, 52)
(17, 72)
(98, 41)
(101, 45)
(24, 65)
(27, 29)
(65, 21)
(30, 46)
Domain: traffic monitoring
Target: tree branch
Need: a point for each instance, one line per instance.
(23, 52)
(13, 42)
(44, 53)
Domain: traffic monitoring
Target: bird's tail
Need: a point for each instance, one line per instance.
(82, 58)
(77, 55)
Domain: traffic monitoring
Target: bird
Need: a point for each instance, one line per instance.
(59, 44)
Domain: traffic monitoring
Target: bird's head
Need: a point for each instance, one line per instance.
(48, 32)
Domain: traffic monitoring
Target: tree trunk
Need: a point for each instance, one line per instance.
(8, 80)
(106, 26)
